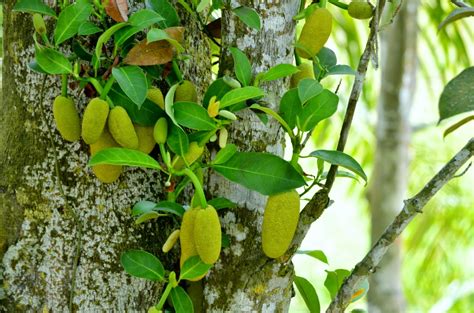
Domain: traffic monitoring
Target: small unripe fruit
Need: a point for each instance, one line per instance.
(223, 134)
(146, 142)
(94, 119)
(38, 24)
(156, 96)
(185, 92)
(315, 33)
(194, 152)
(306, 71)
(186, 235)
(170, 242)
(360, 9)
(121, 128)
(66, 118)
(207, 234)
(233, 83)
(160, 131)
(279, 222)
(106, 173)
(213, 107)
(228, 115)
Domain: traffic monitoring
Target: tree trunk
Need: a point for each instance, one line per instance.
(390, 174)
(56, 215)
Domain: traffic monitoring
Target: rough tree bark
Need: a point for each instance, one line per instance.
(42, 215)
(390, 174)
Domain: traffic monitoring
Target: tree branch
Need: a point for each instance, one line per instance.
(459, 4)
(411, 208)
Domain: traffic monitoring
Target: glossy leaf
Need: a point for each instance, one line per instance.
(225, 154)
(217, 88)
(341, 70)
(116, 9)
(133, 82)
(103, 39)
(177, 141)
(317, 109)
(334, 280)
(457, 14)
(88, 28)
(157, 34)
(71, 19)
(308, 293)
(222, 203)
(278, 71)
(326, 58)
(192, 115)
(145, 206)
(262, 172)
(455, 126)
(458, 95)
(241, 94)
(145, 217)
(308, 88)
(147, 54)
(194, 267)
(123, 156)
(142, 264)
(341, 159)
(317, 254)
(290, 107)
(166, 10)
(249, 16)
(33, 6)
(182, 303)
(242, 67)
(139, 21)
(52, 61)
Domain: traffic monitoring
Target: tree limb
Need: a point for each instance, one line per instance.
(459, 4)
(411, 208)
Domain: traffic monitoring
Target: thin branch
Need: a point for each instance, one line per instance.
(411, 208)
(459, 4)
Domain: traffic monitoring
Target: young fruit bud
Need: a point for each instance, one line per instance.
(185, 92)
(66, 118)
(94, 119)
(223, 134)
(306, 71)
(38, 24)
(146, 142)
(104, 172)
(207, 234)
(156, 96)
(213, 138)
(315, 33)
(171, 241)
(160, 131)
(194, 152)
(186, 235)
(279, 222)
(228, 115)
(121, 128)
(361, 9)
(172, 279)
(231, 82)
(213, 107)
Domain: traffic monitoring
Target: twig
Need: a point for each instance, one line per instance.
(459, 4)
(411, 208)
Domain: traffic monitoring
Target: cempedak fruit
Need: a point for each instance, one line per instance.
(306, 71)
(94, 119)
(121, 128)
(194, 152)
(207, 234)
(360, 9)
(104, 172)
(315, 33)
(156, 96)
(66, 118)
(279, 222)
(146, 142)
(185, 92)
(186, 235)
(160, 131)
(170, 242)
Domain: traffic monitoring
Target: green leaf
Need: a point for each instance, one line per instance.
(166, 10)
(290, 107)
(308, 88)
(341, 159)
(182, 303)
(317, 254)
(70, 19)
(88, 28)
(177, 140)
(157, 34)
(341, 70)
(326, 58)
(242, 67)
(133, 82)
(262, 172)
(143, 207)
(194, 267)
(169, 101)
(103, 39)
(278, 71)
(33, 6)
(146, 217)
(317, 109)
(275, 116)
(249, 16)
(192, 115)
(142, 264)
(123, 156)
(240, 94)
(458, 95)
(217, 88)
(457, 14)
(138, 22)
(334, 280)
(52, 61)
(225, 154)
(35, 67)
(202, 5)
(457, 125)
(222, 203)
(308, 293)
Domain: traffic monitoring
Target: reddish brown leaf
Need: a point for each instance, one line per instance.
(157, 52)
(176, 33)
(214, 28)
(116, 9)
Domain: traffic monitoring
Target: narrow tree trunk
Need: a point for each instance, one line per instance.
(390, 175)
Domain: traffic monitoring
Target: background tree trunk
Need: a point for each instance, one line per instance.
(390, 174)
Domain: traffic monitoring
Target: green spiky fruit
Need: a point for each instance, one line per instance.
(66, 118)
(186, 236)
(279, 222)
(160, 131)
(121, 128)
(94, 119)
(207, 234)
(194, 152)
(104, 172)
(361, 10)
(146, 142)
(156, 96)
(306, 71)
(315, 33)
(185, 92)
